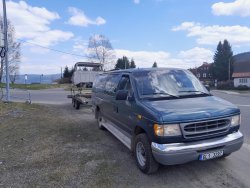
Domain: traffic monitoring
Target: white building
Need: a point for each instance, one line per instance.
(241, 73)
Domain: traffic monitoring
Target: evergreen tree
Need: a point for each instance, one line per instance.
(122, 63)
(222, 57)
(132, 63)
(66, 73)
(155, 65)
(71, 72)
(228, 53)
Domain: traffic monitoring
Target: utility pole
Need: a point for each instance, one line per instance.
(229, 66)
(5, 27)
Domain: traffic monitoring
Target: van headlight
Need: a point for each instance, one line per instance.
(235, 120)
(167, 130)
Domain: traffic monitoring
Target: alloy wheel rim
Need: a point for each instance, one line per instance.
(141, 154)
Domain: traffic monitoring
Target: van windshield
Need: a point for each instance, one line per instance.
(172, 83)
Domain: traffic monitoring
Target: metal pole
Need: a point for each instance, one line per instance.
(229, 69)
(5, 26)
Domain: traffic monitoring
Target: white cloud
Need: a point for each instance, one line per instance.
(196, 56)
(79, 47)
(238, 7)
(184, 59)
(80, 19)
(48, 62)
(144, 58)
(52, 37)
(32, 23)
(136, 1)
(211, 35)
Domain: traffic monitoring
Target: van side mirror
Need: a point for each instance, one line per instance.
(131, 98)
(207, 87)
(121, 95)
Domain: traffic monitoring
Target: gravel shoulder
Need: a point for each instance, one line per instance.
(57, 146)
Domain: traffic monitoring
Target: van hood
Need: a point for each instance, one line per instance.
(192, 109)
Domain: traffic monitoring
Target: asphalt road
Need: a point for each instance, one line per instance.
(243, 102)
(56, 96)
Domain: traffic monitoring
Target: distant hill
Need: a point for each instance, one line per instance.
(37, 78)
(242, 57)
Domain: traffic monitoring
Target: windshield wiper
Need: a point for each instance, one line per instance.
(161, 93)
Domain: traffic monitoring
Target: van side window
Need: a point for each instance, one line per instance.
(112, 82)
(100, 82)
(125, 84)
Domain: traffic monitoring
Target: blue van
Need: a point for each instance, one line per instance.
(165, 116)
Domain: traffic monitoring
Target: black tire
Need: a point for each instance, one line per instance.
(99, 120)
(74, 103)
(150, 165)
(78, 105)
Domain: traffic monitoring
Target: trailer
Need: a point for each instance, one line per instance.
(82, 81)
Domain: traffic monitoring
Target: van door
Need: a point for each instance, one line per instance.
(98, 93)
(110, 90)
(123, 112)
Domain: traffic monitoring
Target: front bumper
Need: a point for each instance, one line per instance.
(179, 153)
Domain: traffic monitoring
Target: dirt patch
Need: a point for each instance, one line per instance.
(57, 146)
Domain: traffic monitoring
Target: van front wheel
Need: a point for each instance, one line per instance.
(143, 155)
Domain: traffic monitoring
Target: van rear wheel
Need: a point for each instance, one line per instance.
(99, 120)
(143, 155)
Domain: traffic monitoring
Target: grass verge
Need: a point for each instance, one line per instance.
(35, 86)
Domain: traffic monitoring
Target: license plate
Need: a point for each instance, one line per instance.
(210, 155)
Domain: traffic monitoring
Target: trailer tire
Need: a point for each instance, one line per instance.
(74, 103)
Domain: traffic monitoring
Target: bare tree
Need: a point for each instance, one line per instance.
(14, 72)
(14, 54)
(100, 50)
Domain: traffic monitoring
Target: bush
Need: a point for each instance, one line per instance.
(64, 81)
(225, 85)
(242, 87)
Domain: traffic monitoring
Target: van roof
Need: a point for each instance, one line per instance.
(134, 70)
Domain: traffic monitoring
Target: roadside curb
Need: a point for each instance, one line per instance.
(227, 92)
(233, 93)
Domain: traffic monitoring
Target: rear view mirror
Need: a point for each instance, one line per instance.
(121, 95)
(207, 87)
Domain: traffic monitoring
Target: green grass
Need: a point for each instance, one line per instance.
(35, 86)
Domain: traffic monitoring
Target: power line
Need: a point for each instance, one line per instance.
(55, 50)
(52, 49)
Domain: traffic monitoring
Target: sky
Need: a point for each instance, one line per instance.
(174, 33)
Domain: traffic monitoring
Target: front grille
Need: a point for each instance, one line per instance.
(205, 128)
